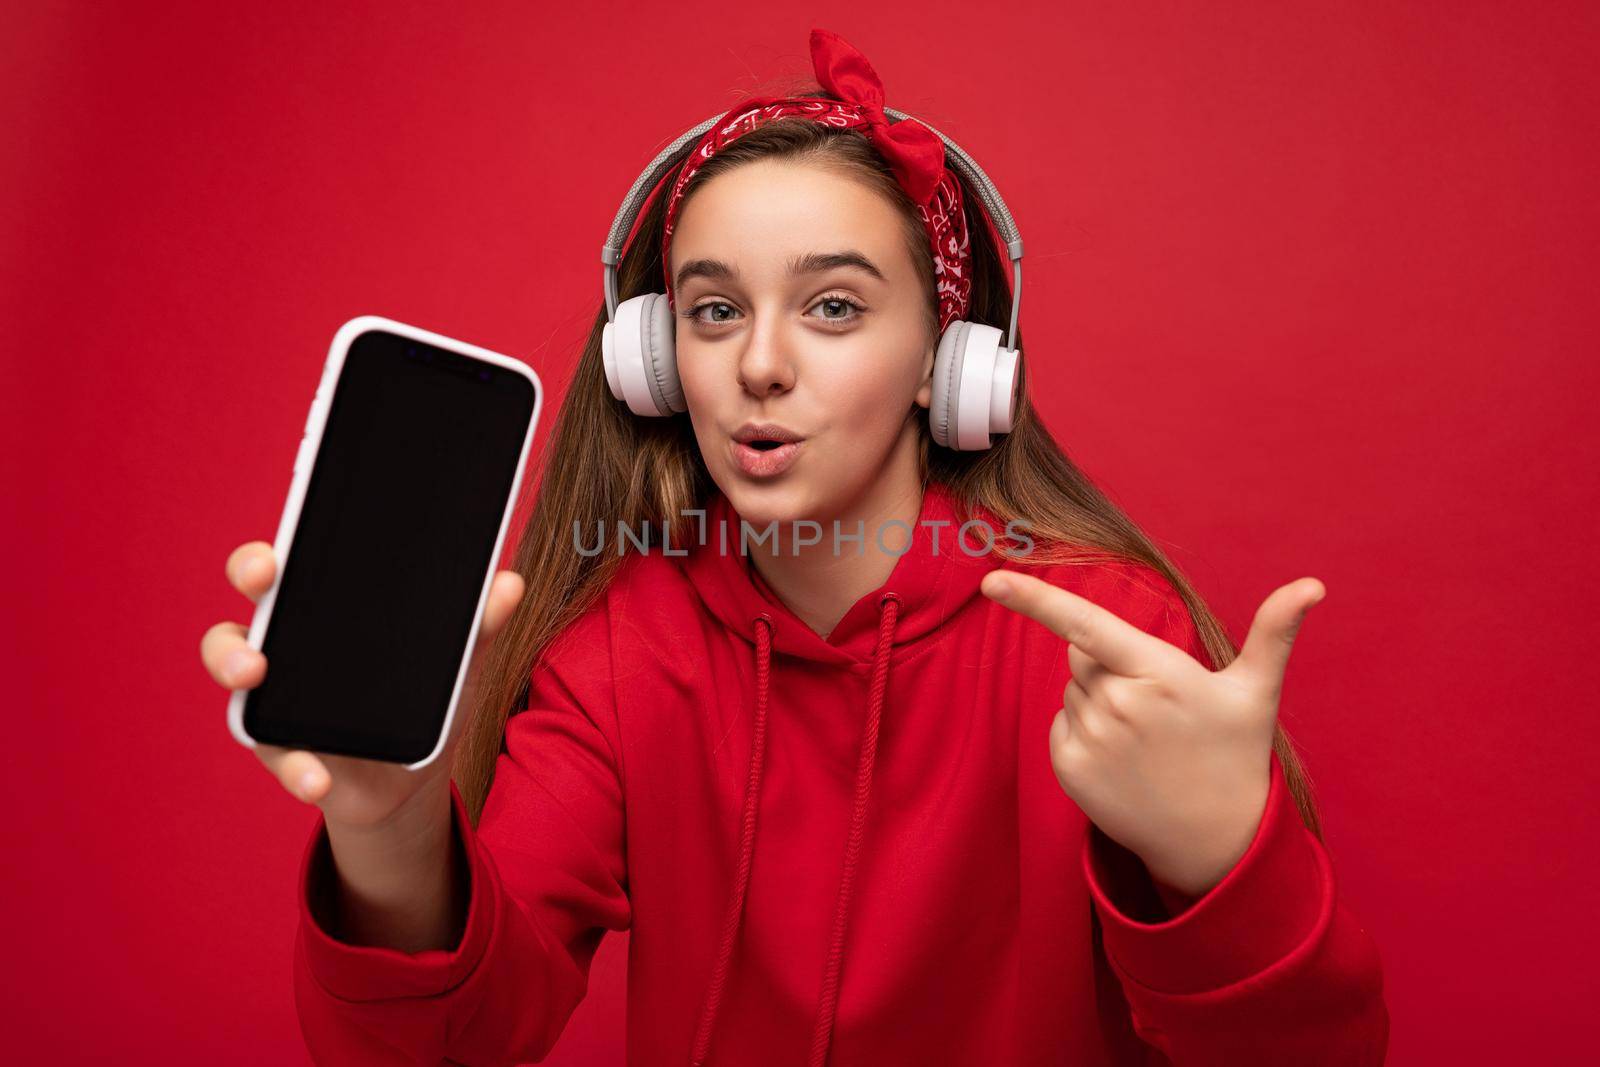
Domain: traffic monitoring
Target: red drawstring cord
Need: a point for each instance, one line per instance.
(827, 1004)
(823, 1034)
(741, 882)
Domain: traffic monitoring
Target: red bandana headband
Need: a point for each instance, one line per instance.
(914, 152)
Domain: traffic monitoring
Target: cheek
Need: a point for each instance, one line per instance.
(708, 378)
(862, 389)
(864, 396)
(693, 373)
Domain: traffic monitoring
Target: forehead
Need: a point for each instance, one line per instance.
(760, 214)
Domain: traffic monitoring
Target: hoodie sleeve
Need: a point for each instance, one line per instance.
(1268, 966)
(547, 880)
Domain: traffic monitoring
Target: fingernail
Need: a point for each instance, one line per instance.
(999, 587)
(308, 781)
(235, 664)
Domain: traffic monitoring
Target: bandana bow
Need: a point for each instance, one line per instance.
(914, 153)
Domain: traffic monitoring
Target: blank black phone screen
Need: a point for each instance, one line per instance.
(389, 555)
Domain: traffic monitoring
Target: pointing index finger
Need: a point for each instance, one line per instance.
(1115, 643)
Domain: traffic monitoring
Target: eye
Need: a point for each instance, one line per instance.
(837, 303)
(694, 312)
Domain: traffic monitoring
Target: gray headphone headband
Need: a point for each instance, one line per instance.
(993, 204)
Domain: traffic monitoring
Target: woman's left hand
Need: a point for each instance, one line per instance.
(1168, 758)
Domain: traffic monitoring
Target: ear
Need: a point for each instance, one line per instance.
(925, 390)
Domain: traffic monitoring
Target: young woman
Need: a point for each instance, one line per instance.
(956, 768)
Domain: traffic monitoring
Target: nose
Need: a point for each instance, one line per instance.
(765, 367)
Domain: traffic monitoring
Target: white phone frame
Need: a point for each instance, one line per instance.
(305, 461)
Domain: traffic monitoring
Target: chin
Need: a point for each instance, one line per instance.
(781, 500)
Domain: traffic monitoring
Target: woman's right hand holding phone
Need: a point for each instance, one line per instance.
(389, 827)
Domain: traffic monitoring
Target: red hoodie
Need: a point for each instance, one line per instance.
(850, 849)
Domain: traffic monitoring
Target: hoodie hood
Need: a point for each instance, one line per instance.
(931, 580)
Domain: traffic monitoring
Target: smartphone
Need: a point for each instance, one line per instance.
(402, 491)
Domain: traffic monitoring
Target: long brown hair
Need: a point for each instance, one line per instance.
(602, 464)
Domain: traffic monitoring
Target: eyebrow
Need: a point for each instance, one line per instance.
(810, 263)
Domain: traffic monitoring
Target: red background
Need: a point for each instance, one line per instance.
(1310, 291)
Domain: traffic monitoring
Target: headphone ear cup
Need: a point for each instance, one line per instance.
(662, 355)
(974, 387)
(1003, 397)
(640, 355)
(946, 382)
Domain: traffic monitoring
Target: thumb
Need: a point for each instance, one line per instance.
(1265, 654)
(504, 595)
(505, 592)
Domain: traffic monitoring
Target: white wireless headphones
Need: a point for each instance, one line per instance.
(974, 375)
